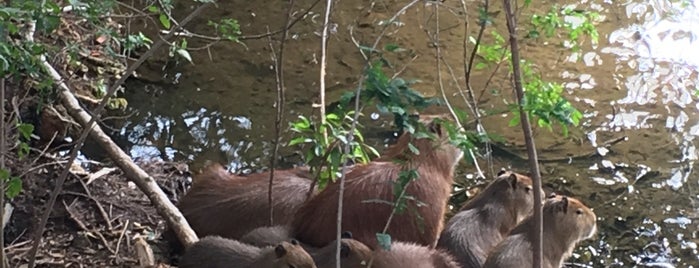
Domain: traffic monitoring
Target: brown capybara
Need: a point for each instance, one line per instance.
(486, 220)
(267, 235)
(219, 252)
(567, 221)
(369, 187)
(352, 252)
(411, 255)
(231, 206)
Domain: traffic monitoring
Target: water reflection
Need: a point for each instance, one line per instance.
(198, 133)
(640, 82)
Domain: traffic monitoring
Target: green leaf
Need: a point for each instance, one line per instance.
(14, 187)
(164, 20)
(413, 149)
(514, 121)
(185, 54)
(153, 9)
(391, 47)
(4, 174)
(298, 140)
(384, 240)
(25, 130)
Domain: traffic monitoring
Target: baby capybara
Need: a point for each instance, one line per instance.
(267, 235)
(352, 252)
(231, 206)
(421, 221)
(410, 255)
(218, 252)
(486, 220)
(567, 221)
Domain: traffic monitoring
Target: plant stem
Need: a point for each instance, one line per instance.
(3, 151)
(529, 140)
(323, 64)
(279, 71)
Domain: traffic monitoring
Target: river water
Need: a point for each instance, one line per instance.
(637, 86)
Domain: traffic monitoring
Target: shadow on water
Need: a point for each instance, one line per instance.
(640, 82)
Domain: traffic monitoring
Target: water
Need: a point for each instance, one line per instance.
(637, 86)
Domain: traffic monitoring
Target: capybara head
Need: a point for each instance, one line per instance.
(292, 255)
(436, 147)
(571, 217)
(513, 191)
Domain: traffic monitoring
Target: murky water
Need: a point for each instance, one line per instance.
(638, 83)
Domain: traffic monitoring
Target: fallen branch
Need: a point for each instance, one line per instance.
(144, 181)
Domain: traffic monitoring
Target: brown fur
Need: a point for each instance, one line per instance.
(567, 221)
(353, 253)
(267, 235)
(410, 255)
(487, 219)
(230, 206)
(315, 221)
(218, 252)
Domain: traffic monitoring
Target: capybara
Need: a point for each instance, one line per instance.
(219, 252)
(369, 186)
(567, 221)
(267, 235)
(488, 218)
(411, 255)
(352, 252)
(231, 206)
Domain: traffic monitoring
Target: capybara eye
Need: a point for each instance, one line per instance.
(291, 266)
(528, 189)
(552, 195)
(579, 211)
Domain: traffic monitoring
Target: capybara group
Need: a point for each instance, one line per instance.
(352, 252)
(369, 187)
(486, 219)
(231, 206)
(567, 221)
(218, 252)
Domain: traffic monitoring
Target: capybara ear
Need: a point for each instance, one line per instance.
(513, 181)
(295, 242)
(434, 127)
(344, 250)
(280, 251)
(502, 171)
(346, 235)
(562, 205)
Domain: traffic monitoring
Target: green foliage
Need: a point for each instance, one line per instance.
(324, 154)
(135, 41)
(228, 29)
(545, 101)
(575, 23)
(391, 95)
(491, 54)
(13, 185)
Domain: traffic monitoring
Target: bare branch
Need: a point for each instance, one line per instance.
(529, 140)
(279, 71)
